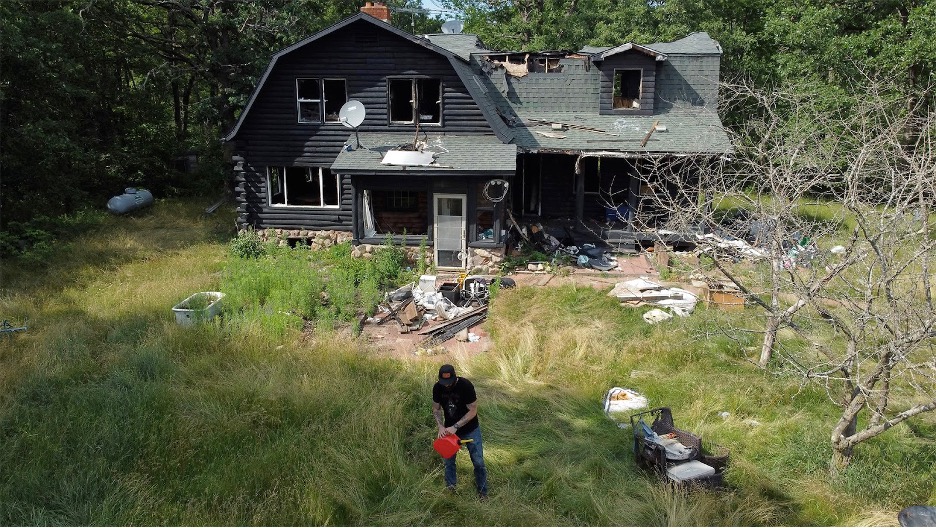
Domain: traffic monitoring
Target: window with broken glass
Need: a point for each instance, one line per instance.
(319, 100)
(395, 212)
(627, 86)
(303, 187)
(414, 101)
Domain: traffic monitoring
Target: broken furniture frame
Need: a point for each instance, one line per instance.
(6, 327)
(652, 456)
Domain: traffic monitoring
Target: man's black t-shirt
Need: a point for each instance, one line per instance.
(454, 401)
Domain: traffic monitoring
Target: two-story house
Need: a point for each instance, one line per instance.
(454, 141)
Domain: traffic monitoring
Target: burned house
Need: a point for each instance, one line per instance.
(367, 130)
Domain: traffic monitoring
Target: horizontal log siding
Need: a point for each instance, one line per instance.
(365, 56)
(628, 60)
(252, 208)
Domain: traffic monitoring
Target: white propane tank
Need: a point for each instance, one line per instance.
(131, 200)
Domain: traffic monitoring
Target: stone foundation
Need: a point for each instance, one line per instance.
(480, 261)
(316, 240)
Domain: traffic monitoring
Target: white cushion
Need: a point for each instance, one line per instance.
(689, 471)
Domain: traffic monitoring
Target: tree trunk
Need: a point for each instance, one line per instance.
(770, 337)
(841, 458)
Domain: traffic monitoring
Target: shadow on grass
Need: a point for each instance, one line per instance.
(169, 225)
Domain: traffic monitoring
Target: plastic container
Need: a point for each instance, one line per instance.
(447, 446)
(427, 283)
(200, 306)
(450, 291)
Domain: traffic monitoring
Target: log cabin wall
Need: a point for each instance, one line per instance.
(365, 56)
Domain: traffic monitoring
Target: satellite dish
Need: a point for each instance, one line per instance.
(351, 114)
(453, 26)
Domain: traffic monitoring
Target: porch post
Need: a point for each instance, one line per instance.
(355, 213)
(579, 190)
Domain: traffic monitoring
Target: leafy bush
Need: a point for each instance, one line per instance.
(247, 244)
(328, 286)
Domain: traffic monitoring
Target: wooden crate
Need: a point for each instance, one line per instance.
(726, 300)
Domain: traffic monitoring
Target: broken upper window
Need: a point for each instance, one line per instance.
(319, 100)
(303, 187)
(627, 85)
(415, 101)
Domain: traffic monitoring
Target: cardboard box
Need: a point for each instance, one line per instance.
(726, 300)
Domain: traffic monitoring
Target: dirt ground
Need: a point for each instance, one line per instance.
(388, 339)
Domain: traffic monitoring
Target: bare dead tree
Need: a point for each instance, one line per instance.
(833, 205)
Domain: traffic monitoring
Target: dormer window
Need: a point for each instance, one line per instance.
(627, 89)
(414, 101)
(319, 100)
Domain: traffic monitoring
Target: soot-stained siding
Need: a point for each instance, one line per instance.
(628, 60)
(364, 55)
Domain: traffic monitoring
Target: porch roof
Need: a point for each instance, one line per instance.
(452, 154)
(694, 130)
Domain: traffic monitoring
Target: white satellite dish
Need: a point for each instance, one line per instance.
(351, 115)
(453, 26)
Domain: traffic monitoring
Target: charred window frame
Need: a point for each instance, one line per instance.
(627, 89)
(303, 187)
(319, 100)
(414, 101)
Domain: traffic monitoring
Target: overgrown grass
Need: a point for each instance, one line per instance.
(111, 414)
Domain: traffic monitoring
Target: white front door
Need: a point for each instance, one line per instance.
(450, 230)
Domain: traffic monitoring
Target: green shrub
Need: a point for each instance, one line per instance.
(247, 244)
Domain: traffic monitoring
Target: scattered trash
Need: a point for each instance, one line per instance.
(837, 250)
(751, 422)
(656, 315)
(618, 399)
(917, 515)
(642, 291)
(6, 327)
(449, 329)
(724, 415)
(676, 455)
(734, 246)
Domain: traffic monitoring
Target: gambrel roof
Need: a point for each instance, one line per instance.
(559, 111)
(460, 44)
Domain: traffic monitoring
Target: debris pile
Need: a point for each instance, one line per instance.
(439, 312)
(584, 255)
(642, 291)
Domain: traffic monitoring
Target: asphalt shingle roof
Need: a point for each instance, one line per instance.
(694, 44)
(693, 130)
(459, 44)
(453, 154)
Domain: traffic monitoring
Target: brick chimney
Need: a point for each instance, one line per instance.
(377, 10)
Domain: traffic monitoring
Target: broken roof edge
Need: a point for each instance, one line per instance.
(646, 50)
(323, 33)
(493, 118)
(626, 154)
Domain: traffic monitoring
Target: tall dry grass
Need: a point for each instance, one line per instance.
(113, 414)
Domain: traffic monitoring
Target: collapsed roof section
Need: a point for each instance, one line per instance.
(551, 101)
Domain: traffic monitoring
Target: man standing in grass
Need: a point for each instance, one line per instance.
(455, 408)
